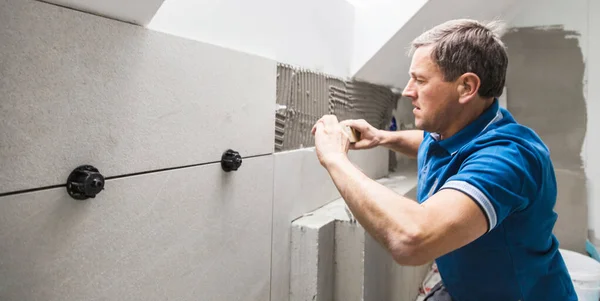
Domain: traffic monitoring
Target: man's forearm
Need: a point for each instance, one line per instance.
(393, 220)
(406, 142)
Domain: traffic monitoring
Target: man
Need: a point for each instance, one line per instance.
(486, 185)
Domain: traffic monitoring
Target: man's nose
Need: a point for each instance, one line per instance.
(409, 91)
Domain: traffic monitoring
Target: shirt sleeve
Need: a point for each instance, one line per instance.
(500, 178)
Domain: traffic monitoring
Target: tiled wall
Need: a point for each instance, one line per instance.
(154, 114)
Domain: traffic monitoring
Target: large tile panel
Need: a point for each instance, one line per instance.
(189, 234)
(81, 89)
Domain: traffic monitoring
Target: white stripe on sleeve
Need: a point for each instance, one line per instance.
(478, 196)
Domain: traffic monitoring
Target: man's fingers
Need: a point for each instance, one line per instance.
(320, 121)
(329, 120)
(318, 126)
(358, 124)
(361, 144)
(348, 122)
(325, 121)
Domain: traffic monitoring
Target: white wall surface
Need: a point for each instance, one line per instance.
(580, 16)
(314, 34)
(375, 22)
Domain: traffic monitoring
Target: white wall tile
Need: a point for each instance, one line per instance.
(189, 234)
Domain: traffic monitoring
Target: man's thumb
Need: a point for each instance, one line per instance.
(360, 144)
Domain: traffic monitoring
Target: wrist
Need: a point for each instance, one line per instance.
(383, 137)
(333, 160)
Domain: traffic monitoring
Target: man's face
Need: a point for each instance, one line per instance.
(435, 101)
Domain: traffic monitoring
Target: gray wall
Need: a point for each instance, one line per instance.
(545, 92)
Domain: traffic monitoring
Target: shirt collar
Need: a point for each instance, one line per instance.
(472, 130)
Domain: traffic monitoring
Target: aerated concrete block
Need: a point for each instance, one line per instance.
(312, 258)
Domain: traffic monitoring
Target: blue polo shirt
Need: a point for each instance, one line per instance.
(506, 169)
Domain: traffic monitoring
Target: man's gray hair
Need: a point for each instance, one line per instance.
(463, 45)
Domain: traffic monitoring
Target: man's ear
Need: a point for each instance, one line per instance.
(468, 85)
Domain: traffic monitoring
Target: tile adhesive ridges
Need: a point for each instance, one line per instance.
(304, 96)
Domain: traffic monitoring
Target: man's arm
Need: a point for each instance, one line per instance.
(406, 142)
(413, 233)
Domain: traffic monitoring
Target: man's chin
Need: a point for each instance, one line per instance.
(419, 124)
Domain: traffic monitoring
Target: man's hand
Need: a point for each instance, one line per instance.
(370, 137)
(331, 142)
